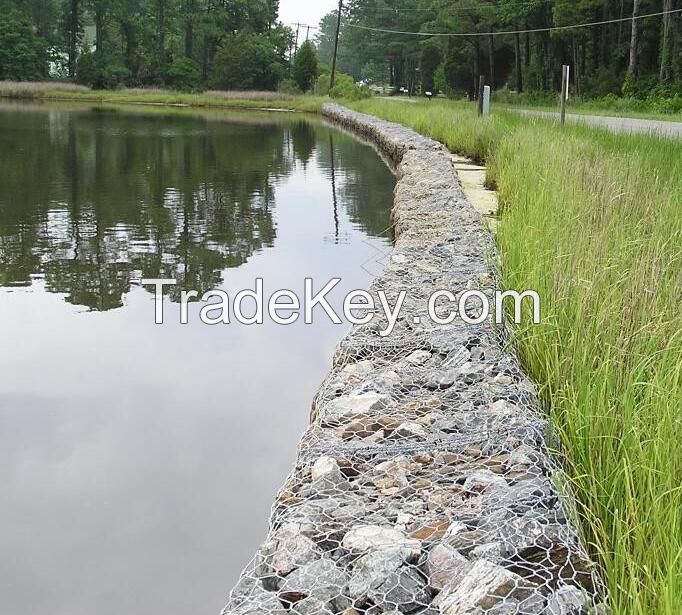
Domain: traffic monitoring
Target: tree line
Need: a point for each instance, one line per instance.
(188, 44)
(624, 57)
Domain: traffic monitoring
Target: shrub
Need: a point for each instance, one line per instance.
(603, 82)
(322, 85)
(99, 73)
(346, 88)
(246, 61)
(184, 75)
(290, 87)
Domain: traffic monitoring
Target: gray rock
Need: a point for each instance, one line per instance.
(567, 600)
(484, 480)
(357, 371)
(354, 404)
(524, 455)
(533, 604)
(441, 379)
(310, 606)
(322, 579)
(371, 571)
(327, 475)
(445, 565)
(485, 585)
(493, 552)
(292, 549)
(418, 357)
(258, 605)
(526, 534)
(411, 430)
(508, 607)
(392, 473)
(404, 590)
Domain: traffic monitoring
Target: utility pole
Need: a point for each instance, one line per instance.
(332, 79)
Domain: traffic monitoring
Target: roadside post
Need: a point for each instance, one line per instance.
(565, 75)
(486, 100)
(481, 85)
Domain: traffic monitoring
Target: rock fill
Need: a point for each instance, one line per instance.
(423, 484)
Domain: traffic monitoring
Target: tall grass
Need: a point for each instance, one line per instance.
(155, 96)
(593, 222)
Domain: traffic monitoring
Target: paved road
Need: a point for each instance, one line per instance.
(618, 124)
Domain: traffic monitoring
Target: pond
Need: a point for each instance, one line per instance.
(138, 462)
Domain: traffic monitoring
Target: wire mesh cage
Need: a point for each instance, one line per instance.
(424, 483)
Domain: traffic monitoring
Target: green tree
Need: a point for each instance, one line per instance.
(430, 60)
(304, 69)
(22, 53)
(247, 61)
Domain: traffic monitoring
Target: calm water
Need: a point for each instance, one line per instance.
(138, 462)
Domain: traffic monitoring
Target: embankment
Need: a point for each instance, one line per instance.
(423, 484)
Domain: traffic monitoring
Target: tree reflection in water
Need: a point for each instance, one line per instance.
(93, 200)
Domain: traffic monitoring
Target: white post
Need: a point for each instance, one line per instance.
(486, 100)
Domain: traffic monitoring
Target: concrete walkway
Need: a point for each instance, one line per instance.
(617, 124)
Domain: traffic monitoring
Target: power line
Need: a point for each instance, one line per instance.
(531, 31)
(453, 9)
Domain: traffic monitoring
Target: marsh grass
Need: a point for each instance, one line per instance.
(36, 89)
(154, 96)
(593, 222)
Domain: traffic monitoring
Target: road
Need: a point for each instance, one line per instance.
(618, 124)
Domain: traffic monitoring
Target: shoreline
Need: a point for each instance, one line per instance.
(424, 483)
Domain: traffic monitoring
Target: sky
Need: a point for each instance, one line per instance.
(305, 11)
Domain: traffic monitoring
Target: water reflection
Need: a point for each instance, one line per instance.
(138, 463)
(93, 200)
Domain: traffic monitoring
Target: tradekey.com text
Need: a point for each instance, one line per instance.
(285, 307)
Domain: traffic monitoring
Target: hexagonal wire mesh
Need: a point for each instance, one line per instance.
(423, 485)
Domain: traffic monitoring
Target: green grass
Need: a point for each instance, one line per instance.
(587, 109)
(215, 100)
(593, 222)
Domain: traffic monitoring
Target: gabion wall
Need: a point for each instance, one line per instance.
(423, 484)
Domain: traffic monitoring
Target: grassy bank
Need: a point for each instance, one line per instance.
(592, 221)
(218, 100)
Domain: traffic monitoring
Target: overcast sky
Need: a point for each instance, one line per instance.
(305, 11)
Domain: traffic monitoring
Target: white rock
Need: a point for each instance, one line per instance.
(376, 538)
(326, 467)
(357, 371)
(358, 403)
(502, 407)
(454, 529)
(481, 480)
(412, 429)
(484, 586)
(567, 600)
(418, 357)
